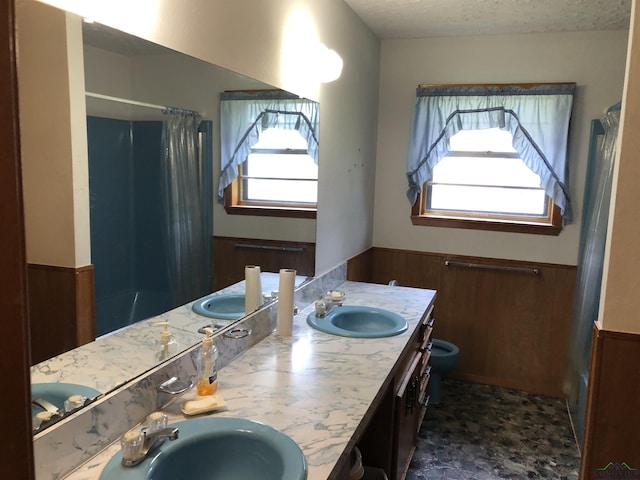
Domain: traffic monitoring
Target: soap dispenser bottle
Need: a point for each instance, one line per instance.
(168, 346)
(207, 383)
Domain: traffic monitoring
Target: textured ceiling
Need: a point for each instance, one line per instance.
(434, 18)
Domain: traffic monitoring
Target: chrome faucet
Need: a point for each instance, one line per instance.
(134, 453)
(328, 301)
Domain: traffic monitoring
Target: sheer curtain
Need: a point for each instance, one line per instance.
(185, 212)
(537, 117)
(243, 116)
(590, 263)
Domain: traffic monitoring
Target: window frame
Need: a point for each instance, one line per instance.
(551, 224)
(235, 204)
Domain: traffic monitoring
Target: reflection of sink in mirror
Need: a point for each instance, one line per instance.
(57, 393)
(226, 448)
(225, 307)
(360, 322)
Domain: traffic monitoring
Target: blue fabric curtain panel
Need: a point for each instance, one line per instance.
(243, 116)
(537, 117)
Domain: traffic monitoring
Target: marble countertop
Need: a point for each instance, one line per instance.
(312, 386)
(101, 365)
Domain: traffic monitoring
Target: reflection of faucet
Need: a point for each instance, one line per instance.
(136, 449)
(328, 301)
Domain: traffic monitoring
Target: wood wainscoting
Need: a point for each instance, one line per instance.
(61, 309)
(231, 254)
(512, 326)
(611, 422)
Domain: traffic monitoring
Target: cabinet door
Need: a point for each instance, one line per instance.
(407, 412)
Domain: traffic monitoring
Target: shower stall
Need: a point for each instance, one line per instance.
(150, 214)
(595, 218)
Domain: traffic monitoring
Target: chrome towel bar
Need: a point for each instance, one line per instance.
(269, 247)
(533, 270)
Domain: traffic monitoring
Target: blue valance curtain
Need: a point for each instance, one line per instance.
(243, 116)
(537, 117)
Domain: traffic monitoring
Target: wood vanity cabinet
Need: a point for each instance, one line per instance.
(390, 437)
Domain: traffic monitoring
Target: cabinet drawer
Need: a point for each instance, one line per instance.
(426, 330)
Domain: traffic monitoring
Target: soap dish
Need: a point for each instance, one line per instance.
(203, 404)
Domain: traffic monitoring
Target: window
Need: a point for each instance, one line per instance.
(483, 183)
(279, 178)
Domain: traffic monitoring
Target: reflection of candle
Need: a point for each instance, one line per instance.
(284, 323)
(252, 288)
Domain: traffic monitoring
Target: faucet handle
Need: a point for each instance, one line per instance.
(132, 444)
(155, 421)
(321, 308)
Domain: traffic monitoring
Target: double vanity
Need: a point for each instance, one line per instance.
(326, 392)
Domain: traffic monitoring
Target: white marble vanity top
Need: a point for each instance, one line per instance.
(314, 387)
(101, 364)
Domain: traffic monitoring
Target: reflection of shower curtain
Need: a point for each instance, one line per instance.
(184, 193)
(590, 262)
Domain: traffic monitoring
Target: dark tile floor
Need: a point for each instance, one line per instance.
(481, 432)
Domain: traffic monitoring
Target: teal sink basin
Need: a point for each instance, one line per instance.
(218, 448)
(57, 393)
(224, 307)
(360, 322)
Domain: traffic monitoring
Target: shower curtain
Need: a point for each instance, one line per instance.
(184, 195)
(590, 263)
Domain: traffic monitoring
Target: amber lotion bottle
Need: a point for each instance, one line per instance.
(207, 366)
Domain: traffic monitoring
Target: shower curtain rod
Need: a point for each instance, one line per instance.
(134, 102)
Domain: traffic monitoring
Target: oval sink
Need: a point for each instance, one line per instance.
(225, 448)
(360, 322)
(225, 307)
(57, 393)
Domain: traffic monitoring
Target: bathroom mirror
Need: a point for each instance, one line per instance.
(121, 66)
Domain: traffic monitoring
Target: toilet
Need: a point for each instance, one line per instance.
(444, 357)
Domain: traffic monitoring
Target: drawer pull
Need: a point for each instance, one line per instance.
(424, 363)
(431, 322)
(425, 401)
(411, 398)
(426, 342)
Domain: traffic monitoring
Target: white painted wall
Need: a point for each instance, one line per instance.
(272, 41)
(619, 301)
(54, 168)
(594, 60)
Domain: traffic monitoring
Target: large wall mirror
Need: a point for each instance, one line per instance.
(92, 122)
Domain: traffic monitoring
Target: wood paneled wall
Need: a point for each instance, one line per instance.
(16, 454)
(611, 422)
(512, 327)
(61, 309)
(231, 254)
